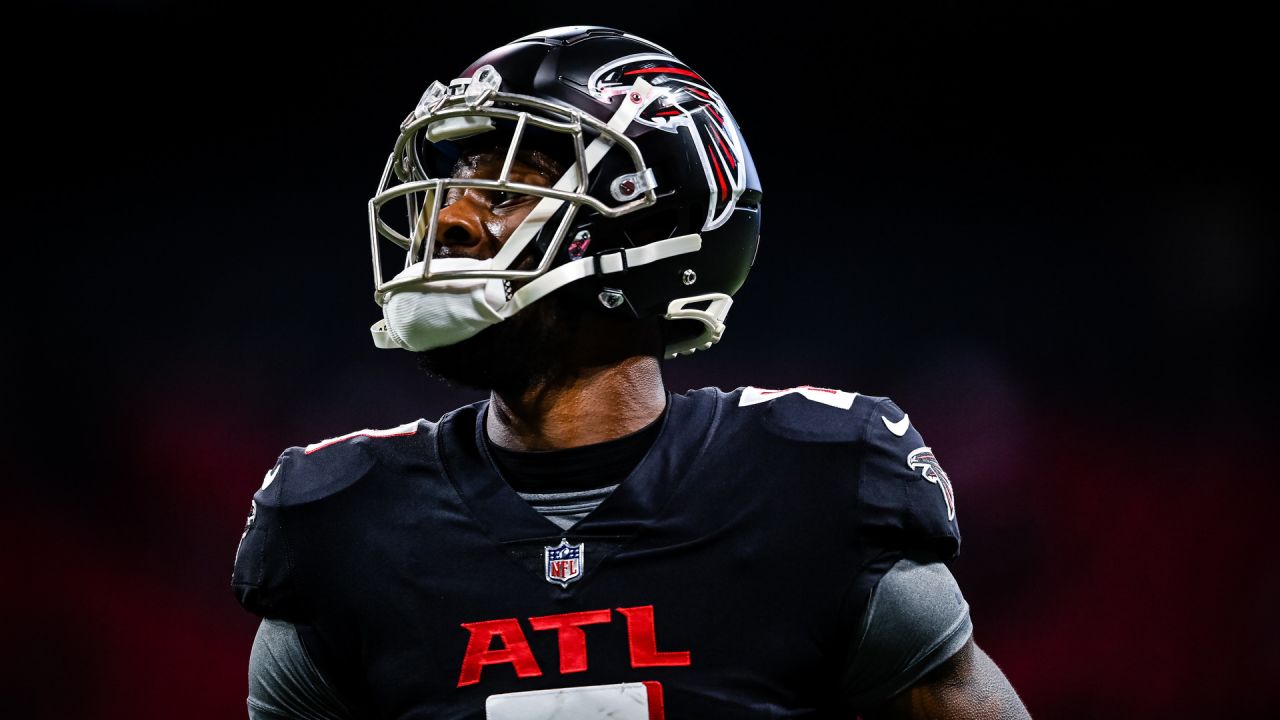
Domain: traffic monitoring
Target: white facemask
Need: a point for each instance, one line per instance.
(452, 311)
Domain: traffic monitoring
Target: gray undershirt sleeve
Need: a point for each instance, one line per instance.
(915, 620)
(283, 682)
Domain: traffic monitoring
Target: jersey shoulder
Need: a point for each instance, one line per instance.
(903, 496)
(805, 413)
(264, 576)
(321, 469)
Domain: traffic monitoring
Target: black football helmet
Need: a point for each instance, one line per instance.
(657, 215)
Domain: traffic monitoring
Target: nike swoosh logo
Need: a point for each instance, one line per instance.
(271, 475)
(898, 428)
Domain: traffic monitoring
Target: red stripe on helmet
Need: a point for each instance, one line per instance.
(673, 70)
(727, 155)
(724, 191)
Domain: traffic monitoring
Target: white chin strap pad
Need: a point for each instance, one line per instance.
(450, 311)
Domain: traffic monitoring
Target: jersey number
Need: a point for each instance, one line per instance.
(826, 396)
(624, 701)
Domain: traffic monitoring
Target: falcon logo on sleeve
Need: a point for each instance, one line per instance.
(922, 459)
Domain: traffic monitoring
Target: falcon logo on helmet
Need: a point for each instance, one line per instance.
(685, 100)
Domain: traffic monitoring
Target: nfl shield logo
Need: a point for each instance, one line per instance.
(564, 562)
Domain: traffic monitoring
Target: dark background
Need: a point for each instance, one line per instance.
(1044, 231)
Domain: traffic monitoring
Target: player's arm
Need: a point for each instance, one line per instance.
(283, 682)
(916, 657)
(966, 686)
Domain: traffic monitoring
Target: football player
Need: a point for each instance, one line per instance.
(576, 206)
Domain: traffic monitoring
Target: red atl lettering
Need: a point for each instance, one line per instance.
(515, 650)
(573, 641)
(641, 640)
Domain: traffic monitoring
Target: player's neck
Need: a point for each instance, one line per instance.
(597, 405)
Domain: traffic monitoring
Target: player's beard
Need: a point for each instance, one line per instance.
(531, 349)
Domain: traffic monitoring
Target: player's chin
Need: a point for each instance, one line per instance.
(510, 358)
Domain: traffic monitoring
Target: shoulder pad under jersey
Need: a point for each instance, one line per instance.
(263, 576)
(905, 498)
(807, 413)
(303, 475)
(902, 489)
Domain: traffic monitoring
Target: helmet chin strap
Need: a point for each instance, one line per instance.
(475, 302)
(616, 261)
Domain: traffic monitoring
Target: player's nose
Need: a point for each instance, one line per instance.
(459, 230)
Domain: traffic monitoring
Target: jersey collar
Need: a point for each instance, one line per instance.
(639, 501)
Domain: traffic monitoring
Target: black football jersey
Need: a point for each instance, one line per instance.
(724, 578)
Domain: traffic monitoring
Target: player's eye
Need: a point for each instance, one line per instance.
(504, 199)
